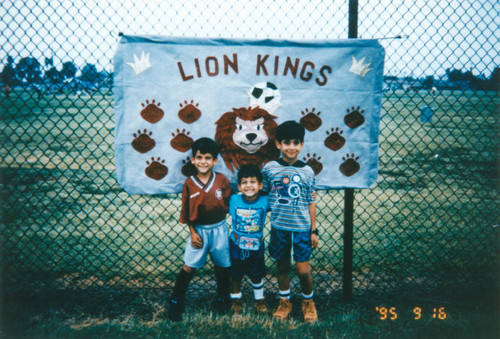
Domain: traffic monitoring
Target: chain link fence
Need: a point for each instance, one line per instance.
(429, 225)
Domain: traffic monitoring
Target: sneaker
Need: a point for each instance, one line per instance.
(309, 311)
(222, 304)
(284, 309)
(176, 308)
(236, 306)
(260, 306)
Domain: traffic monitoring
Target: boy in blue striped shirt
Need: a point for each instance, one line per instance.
(290, 186)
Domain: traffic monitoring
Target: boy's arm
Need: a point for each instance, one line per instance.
(196, 240)
(312, 213)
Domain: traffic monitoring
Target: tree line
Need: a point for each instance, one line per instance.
(29, 71)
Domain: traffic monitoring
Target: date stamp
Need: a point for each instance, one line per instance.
(393, 313)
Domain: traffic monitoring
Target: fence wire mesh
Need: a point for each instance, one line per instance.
(429, 224)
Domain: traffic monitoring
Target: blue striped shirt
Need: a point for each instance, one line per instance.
(290, 190)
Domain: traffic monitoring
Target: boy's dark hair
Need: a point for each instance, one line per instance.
(249, 171)
(290, 130)
(205, 145)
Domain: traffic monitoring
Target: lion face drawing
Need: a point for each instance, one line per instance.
(246, 136)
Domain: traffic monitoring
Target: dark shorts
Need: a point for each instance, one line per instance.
(247, 262)
(282, 241)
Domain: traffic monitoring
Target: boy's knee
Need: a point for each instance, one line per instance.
(304, 273)
(303, 269)
(189, 269)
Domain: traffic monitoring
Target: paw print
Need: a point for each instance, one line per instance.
(189, 112)
(310, 120)
(334, 140)
(354, 117)
(156, 169)
(143, 142)
(313, 162)
(151, 112)
(181, 142)
(188, 168)
(350, 166)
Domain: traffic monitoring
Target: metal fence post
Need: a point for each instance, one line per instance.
(349, 192)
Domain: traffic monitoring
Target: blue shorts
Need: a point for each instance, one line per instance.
(247, 262)
(282, 242)
(215, 242)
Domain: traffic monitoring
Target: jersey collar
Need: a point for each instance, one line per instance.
(206, 187)
(297, 163)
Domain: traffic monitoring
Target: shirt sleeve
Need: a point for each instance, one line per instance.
(265, 181)
(311, 188)
(226, 192)
(184, 217)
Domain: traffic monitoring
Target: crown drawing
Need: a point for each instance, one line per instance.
(359, 67)
(140, 65)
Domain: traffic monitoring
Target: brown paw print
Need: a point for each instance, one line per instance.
(334, 140)
(313, 162)
(143, 142)
(189, 112)
(156, 169)
(181, 141)
(350, 166)
(151, 112)
(310, 120)
(354, 117)
(188, 168)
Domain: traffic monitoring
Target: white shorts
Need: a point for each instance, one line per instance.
(215, 241)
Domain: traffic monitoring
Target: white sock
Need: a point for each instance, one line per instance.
(285, 294)
(236, 295)
(308, 296)
(258, 290)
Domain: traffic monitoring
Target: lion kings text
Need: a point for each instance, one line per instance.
(265, 65)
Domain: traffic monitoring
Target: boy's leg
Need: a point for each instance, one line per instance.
(236, 278)
(236, 302)
(179, 292)
(306, 286)
(223, 279)
(279, 249)
(305, 277)
(284, 277)
(256, 271)
(258, 293)
(285, 306)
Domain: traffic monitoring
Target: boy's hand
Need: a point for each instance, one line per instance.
(314, 240)
(196, 240)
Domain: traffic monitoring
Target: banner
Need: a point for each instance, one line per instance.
(171, 91)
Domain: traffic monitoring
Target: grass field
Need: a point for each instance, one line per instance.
(426, 229)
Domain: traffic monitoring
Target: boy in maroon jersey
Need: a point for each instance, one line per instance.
(205, 199)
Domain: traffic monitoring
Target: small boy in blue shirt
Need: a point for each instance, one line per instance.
(290, 185)
(248, 212)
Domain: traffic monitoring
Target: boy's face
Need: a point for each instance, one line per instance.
(290, 149)
(250, 187)
(203, 162)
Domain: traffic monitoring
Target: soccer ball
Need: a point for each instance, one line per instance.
(265, 95)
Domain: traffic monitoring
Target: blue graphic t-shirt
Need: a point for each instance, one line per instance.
(290, 190)
(248, 218)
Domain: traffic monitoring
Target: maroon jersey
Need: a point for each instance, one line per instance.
(205, 204)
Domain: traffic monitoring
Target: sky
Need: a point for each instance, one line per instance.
(435, 35)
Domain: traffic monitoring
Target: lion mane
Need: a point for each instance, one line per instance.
(246, 136)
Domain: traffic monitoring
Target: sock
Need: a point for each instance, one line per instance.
(236, 295)
(285, 294)
(181, 284)
(223, 279)
(308, 296)
(258, 290)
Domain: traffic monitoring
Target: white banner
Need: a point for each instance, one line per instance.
(171, 91)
